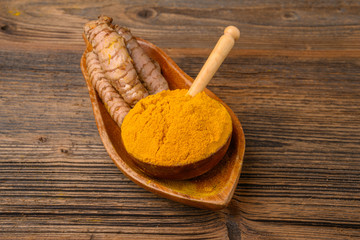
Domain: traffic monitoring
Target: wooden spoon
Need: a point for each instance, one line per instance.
(212, 190)
(201, 166)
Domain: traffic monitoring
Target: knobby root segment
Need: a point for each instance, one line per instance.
(149, 72)
(114, 103)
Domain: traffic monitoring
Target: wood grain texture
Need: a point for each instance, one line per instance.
(293, 80)
(272, 24)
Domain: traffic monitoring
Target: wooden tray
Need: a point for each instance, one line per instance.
(214, 189)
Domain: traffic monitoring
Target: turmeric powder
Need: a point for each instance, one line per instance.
(171, 128)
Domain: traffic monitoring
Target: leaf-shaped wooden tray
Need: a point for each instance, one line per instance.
(212, 190)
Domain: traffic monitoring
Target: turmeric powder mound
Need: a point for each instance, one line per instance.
(171, 128)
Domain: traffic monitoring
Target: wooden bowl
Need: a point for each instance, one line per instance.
(212, 190)
(186, 171)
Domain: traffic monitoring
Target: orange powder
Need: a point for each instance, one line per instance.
(171, 128)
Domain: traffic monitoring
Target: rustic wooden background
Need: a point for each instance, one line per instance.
(293, 79)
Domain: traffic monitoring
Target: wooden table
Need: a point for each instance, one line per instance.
(293, 79)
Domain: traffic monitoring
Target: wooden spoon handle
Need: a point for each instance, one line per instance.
(217, 56)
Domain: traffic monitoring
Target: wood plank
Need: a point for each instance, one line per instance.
(173, 24)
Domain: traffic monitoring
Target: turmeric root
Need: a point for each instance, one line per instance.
(149, 72)
(113, 102)
(115, 60)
